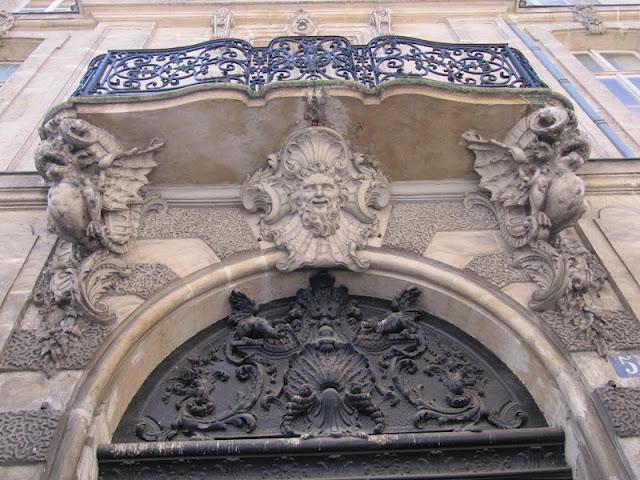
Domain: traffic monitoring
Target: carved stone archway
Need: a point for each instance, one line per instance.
(158, 327)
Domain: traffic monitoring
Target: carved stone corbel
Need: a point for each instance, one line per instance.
(223, 23)
(301, 23)
(380, 21)
(584, 13)
(530, 185)
(317, 200)
(94, 206)
(6, 22)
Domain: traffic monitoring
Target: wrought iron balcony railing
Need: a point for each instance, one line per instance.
(126, 72)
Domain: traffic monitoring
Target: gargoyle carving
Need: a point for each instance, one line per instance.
(318, 200)
(530, 175)
(536, 196)
(94, 206)
(94, 199)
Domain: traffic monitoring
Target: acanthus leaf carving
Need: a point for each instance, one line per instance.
(532, 189)
(317, 200)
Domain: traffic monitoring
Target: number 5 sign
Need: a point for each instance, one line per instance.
(626, 366)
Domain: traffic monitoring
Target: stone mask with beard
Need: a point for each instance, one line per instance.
(318, 201)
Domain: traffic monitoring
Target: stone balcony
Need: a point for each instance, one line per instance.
(223, 105)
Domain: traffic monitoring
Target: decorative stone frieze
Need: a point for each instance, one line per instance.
(224, 229)
(223, 23)
(26, 435)
(533, 191)
(623, 405)
(380, 21)
(317, 200)
(301, 23)
(412, 226)
(497, 268)
(586, 14)
(6, 22)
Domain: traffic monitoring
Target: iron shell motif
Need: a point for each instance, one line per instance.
(327, 364)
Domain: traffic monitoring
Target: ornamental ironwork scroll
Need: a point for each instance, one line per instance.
(326, 365)
(234, 61)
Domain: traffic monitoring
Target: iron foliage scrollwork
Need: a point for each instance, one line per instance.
(326, 364)
(306, 58)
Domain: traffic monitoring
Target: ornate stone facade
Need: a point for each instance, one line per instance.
(318, 200)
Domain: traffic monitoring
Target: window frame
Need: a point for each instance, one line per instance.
(609, 71)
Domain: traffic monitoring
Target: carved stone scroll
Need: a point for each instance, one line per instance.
(317, 200)
(532, 189)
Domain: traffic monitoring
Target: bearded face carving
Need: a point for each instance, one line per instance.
(317, 200)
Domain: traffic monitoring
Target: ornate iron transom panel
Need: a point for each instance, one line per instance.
(326, 364)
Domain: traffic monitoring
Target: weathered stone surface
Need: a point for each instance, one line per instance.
(143, 279)
(413, 225)
(224, 229)
(26, 435)
(623, 405)
(497, 269)
(619, 328)
(31, 390)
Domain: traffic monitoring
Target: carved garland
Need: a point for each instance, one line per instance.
(94, 206)
(535, 195)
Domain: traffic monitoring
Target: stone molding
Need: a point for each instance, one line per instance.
(623, 407)
(317, 200)
(530, 185)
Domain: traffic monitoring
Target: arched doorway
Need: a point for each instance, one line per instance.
(159, 327)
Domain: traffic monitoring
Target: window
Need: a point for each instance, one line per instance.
(6, 70)
(44, 6)
(619, 71)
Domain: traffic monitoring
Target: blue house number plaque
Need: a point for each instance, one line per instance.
(626, 366)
